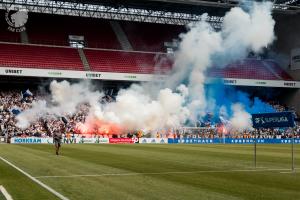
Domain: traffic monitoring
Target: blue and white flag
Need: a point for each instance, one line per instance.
(25, 94)
(15, 110)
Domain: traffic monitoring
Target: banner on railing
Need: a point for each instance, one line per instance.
(272, 120)
(78, 140)
(31, 140)
(81, 140)
(153, 140)
(231, 141)
(123, 140)
(49, 140)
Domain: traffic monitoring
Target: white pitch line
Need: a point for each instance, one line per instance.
(35, 180)
(5, 193)
(161, 173)
(290, 172)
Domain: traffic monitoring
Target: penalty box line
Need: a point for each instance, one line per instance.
(161, 173)
(60, 196)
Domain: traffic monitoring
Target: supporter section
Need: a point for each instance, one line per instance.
(13, 100)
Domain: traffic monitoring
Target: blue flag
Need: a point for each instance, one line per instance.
(25, 94)
(15, 110)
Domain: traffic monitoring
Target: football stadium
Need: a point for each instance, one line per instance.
(152, 99)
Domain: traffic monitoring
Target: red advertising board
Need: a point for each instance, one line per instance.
(123, 140)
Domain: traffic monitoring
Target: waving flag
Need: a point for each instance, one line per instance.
(25, 94)
(15, 110)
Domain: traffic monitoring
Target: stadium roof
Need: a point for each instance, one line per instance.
(146, 11)
(178, 12)
(193, 6)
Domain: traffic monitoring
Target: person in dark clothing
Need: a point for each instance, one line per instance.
(56, 133)
(57, 137)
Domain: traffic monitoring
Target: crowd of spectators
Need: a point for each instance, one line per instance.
(13, 102)
(209, 133)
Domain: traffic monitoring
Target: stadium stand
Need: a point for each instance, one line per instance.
(278, 70)
(123, 62)
(40, 57)
(102, 43)
(66, 58)
(249, 69)
(150, 37)
(56, 29)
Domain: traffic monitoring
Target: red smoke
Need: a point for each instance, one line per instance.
(221, 129)
(99, 127)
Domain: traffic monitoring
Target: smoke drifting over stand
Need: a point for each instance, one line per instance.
(183, 96)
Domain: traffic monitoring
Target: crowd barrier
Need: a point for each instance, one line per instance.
(2, 139)
(153, 140)
(231, 141)
(79, 140)
(49, 140)
(30, 140)
(123, 140)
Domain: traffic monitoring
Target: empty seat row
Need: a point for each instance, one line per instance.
(125, 62)
(66, 58)
(29, 56)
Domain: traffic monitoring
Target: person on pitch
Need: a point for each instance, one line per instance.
(57, 137)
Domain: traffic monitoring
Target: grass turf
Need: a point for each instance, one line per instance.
(2, 197)
(153, 163)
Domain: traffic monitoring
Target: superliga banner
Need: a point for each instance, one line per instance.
(272, 120)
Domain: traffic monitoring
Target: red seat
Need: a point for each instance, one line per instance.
(278, 70)
(245, 69)
(125, 62)
(150, 37)
(40, 57)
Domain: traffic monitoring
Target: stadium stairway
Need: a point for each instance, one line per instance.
(24, 37)
(271, 70)
(121, 36)
(84, 60)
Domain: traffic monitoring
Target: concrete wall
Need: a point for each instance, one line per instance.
(292, 99)
(287, 30)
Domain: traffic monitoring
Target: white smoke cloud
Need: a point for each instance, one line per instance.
(65, 98)
(135, 110)
(152, 107)
(203, 46)
(25, 118)
(240, 120)
(243, 32)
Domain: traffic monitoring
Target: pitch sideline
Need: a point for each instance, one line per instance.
(5, 193)
(60, 196)
(163, 173)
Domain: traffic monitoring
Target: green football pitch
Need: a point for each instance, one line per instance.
(149, 171)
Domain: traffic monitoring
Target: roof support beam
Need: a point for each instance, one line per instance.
(107, 12)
